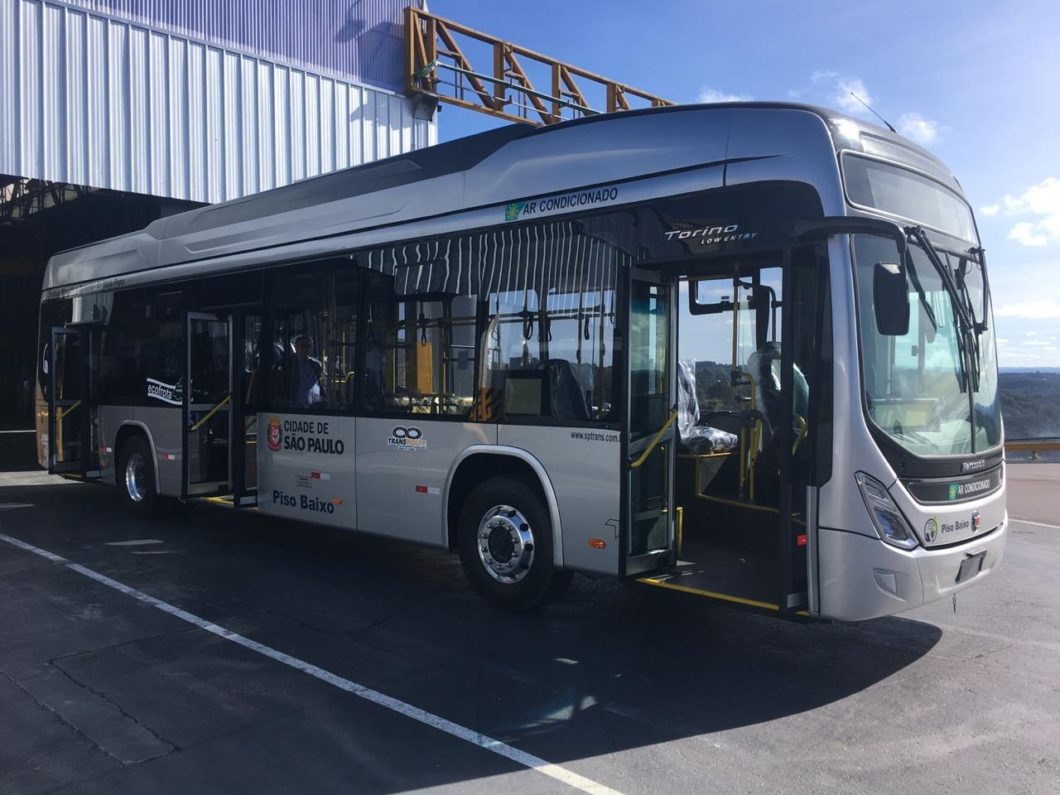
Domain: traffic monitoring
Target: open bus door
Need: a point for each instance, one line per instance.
(648, 444)
(71, 414)
(207, 403)
(759, 332)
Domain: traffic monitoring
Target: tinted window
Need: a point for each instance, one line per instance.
(314, 338)
(908, 195)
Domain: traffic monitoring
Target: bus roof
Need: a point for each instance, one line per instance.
(507, 164)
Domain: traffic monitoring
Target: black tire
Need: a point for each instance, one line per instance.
(136, 477)
(511, 565)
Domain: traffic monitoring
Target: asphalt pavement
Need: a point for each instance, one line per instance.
(216, 651)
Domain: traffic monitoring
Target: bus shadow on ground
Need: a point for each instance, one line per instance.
(649, 665)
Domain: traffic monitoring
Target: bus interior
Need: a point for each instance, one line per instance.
(741, 475)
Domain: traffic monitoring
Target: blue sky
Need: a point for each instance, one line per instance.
(976, 82)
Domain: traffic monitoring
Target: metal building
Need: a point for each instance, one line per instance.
(114, 112)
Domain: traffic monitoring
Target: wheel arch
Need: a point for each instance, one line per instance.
(126, 430)
(491, 460)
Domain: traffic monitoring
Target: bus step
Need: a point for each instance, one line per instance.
(228, 501)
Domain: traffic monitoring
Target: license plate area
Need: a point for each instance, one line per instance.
(970, 566)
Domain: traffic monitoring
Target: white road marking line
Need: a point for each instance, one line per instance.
(136, 542)
(156, 552)
(10, 506)
(1036, 524)
(559, 773)
(35, 550)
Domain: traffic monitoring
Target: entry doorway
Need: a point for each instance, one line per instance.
(72, 426)
(220, 422)
(752, 368)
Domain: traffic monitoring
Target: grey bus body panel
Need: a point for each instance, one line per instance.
(584, 469)
(645, 190)
(307, 468)
(403, 466)
(802, 153)
(161, 428)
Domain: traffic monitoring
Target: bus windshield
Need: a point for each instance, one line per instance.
(918, 388)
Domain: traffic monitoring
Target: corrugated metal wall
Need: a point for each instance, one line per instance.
(92, 100)
(359, 40)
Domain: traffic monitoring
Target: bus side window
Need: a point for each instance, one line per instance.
(549, 356)
(419, 351)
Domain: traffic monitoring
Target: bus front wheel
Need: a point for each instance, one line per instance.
(505, 545)
(136, 477)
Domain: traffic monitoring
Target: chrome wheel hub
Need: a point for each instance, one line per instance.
(136, 477)
(505, 544)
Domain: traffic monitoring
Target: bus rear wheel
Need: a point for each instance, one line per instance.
(505, 544)
(136, 477)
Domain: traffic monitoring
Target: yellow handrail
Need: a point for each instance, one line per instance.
(210, 413)
(655, 441)
(62, 414)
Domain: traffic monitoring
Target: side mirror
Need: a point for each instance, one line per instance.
(891, 299)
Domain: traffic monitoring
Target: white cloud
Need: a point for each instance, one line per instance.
(708, 94)
(990, 210)
(1024, 234)
(916, 128)
(1030, 310)
(1041, 200)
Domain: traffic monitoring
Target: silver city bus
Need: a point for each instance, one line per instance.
(739, 350)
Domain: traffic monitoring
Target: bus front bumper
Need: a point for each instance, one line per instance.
(897, 580)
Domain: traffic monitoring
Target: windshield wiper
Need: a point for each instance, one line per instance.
(910, 267)
(968, 325)
(972, 254)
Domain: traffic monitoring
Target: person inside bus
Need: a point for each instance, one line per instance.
(306, 376)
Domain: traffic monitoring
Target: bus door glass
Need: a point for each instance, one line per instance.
(70, 413)
(207, 406)
(650, 435)
(247, 386)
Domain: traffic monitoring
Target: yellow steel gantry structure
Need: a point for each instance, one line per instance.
(436, 66)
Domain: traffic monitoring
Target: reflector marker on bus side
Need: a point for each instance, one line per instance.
(561, 774)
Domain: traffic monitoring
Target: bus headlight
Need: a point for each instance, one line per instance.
(886, 516)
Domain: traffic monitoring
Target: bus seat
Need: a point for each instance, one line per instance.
(566, 396)
(764, 366)
(694, 437)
